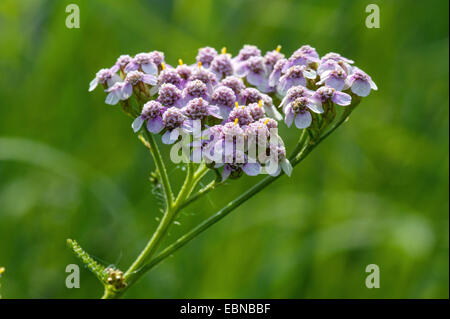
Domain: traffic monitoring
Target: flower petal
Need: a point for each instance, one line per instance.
(155, 125)
(255, 78)
(137, 124)
(341, 98)
(286, 166)
(316, 107)
(303, 120)
(337, 84)
(289, 118)
(226, 172)
(251, 169)
(361, 88)
(112, 98)
(93, 84)
(150, 68)
(149, 79)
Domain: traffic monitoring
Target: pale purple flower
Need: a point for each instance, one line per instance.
(295, 75)
(254, 71)
(169, 95)
(133, 78)
(276, 72)
(336, 57)
(242, 115)
(344, 63)
(360, 83)
(247, 52)
(222, 66)
(195, 89)
(234, 83)
(224, 98)
(333, 78)
(204, 75)
(269, 122)
(271, 58)
(299, 111)
(309, 51)
(118, 92)
(184, 71)
(250, 95)
(143, 62)
(122, 62)
(170, 76)
(256, 110)
(173, 120)
(294, 93)
(206, 55)
(240, 164)
(326, 93)
(152, 112)
(106, 77)
(278, 154)
(329, 65)
(300, 58)
(157, 57)
(199, 109)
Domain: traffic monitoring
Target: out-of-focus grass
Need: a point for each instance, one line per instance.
(375, 192)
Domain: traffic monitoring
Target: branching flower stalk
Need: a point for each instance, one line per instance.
(228, 102)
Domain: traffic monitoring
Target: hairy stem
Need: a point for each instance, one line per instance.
(161, 169)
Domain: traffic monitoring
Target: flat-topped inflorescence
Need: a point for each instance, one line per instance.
(234, 95)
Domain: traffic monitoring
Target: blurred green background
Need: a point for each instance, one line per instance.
(376, 192)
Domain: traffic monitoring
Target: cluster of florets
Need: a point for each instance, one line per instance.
(232, 97)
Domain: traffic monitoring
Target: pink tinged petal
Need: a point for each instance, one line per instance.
(149, 79)
(361, 88)
(251, 169)
(373, 85)
(155, 125)
(255, 78)
(150, 68)
(226, 172)
(289, 117)
(341, 98)
(337, 84)
(286, 166)
(303, 120)
(316, 107)
(112, 98)
(137, 124)
(93, 84)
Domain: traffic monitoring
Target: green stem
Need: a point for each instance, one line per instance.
(161, 169)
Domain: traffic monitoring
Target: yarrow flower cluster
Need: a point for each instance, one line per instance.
(233, 98)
